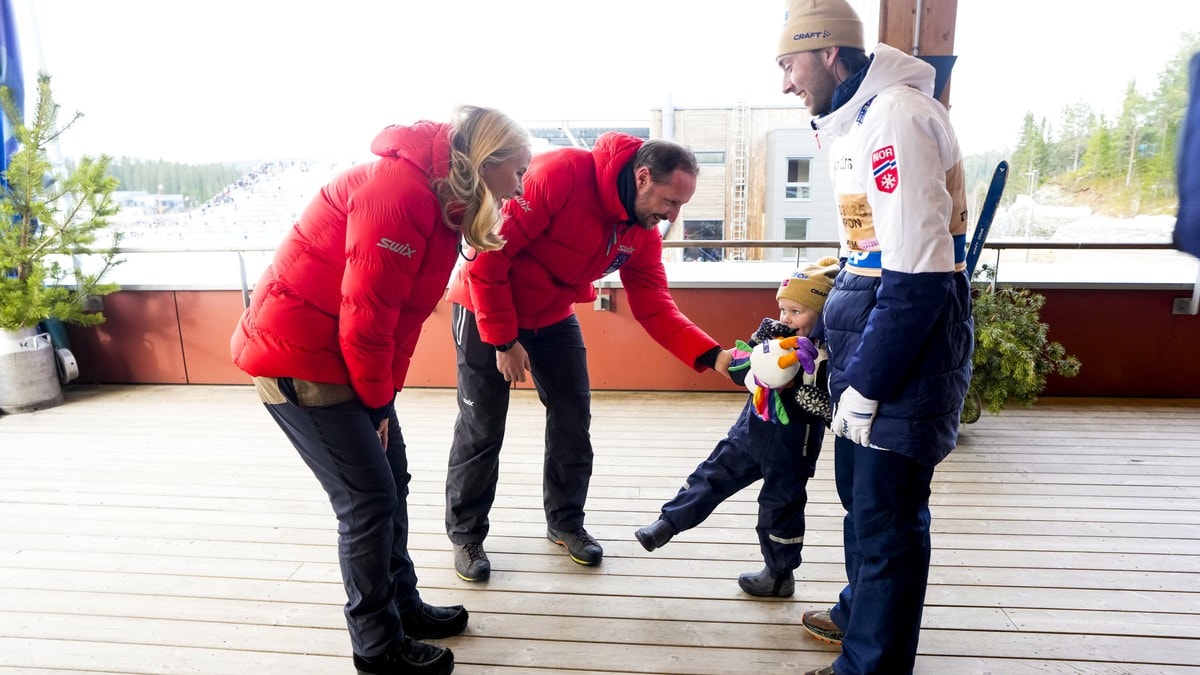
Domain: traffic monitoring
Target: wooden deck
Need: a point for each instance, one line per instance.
(172, 529)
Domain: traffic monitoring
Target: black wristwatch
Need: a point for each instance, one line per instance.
(506, 346)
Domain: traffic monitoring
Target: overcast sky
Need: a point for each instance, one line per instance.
(229, 80)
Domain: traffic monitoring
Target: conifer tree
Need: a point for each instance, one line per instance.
(47, 216)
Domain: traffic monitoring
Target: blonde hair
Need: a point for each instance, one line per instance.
(478, 135)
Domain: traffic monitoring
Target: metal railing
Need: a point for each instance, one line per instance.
(999, 245)
(751, 243)
(1182, 305)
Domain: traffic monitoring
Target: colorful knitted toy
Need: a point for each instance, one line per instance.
(772, 367)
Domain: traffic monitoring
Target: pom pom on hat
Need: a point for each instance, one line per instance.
(811, 285)
(817, 24)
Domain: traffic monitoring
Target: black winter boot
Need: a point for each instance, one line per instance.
(411, 657)
(430, 622)
(766, 585)
(654, 535)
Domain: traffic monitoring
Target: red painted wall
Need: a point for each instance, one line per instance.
(620, 354)
(1128, 340)
(138, 342)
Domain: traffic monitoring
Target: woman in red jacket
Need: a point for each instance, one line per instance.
(329, 335)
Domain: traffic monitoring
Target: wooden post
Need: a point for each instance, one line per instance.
(932, 36)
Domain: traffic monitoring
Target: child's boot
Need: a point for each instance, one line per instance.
(766, 584)
(654, 535)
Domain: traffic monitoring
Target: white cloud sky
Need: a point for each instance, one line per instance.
(227, 80)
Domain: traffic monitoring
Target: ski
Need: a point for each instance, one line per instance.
(990, 202)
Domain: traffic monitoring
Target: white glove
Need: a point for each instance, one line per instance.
(853, 415)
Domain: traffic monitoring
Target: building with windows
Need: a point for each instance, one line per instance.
(762, 176)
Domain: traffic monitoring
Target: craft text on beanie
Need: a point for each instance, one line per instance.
(817, 24)
(810, 286)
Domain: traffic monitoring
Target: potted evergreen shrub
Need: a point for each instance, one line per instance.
(48, 215)
(1013, 353)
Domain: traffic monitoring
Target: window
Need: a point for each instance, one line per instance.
(700, 230)
(798, 184)
(710, 156)
(796, 229)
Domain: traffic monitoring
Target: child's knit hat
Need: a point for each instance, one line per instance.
(811, 285)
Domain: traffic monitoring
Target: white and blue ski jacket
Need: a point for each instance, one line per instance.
(898, 322)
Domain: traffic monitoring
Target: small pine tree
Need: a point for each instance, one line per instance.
(1013, 352)
(47, 213)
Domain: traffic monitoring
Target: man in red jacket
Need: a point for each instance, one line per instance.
(584, 214)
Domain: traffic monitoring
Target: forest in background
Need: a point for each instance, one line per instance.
(196, 182)
(1120, 167)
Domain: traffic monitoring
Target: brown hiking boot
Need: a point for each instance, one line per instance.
(819, 624)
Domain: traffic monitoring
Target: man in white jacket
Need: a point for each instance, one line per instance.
(898, 321)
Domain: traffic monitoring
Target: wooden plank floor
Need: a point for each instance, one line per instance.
(171, 529)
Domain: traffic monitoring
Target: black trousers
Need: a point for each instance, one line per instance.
(368, 490)
(781, 500)
(558, 363)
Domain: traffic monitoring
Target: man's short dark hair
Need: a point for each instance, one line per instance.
(663, 158)
(854, 59)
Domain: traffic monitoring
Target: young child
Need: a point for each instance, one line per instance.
(784, 456)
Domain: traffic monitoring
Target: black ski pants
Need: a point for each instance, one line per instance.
(558, 364)
(368, 490)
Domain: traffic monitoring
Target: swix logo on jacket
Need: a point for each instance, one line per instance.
(883, 166)
(624, 251)
(396, 247)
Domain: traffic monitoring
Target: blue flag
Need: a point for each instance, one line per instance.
(11, 75)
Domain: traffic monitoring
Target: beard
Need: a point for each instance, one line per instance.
(646, 218)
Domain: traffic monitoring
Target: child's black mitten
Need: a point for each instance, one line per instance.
(770, 329)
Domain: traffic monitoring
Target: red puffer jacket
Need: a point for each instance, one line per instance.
(568, 230)
(345, 296)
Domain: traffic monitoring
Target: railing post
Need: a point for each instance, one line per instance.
(245, 284)
(1189, 305)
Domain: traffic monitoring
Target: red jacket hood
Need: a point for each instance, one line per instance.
(425, 144)
(612, 151)
(350, 286)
